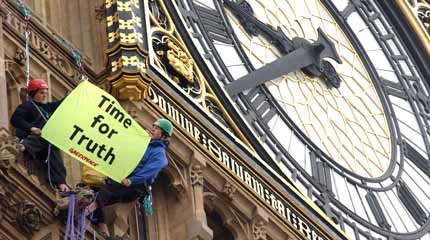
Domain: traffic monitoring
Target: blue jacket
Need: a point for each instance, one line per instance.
(150, 165)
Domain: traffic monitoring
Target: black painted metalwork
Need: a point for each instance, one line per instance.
(310, 61)
(306, 56)
(258, 107)
(411, 204)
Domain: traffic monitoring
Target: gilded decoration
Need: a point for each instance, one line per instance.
(173, 59)
(421, 9)
(417, 13)
(178, 61)
(127, 49)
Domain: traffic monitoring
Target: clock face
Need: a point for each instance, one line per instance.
(347, 123)
(359, 149)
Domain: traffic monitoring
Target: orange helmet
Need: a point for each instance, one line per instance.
(36, 84)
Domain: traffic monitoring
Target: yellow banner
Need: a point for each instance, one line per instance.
(92, 127)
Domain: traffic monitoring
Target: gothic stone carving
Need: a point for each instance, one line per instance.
(28, 216)
(228, 190)
(196, 175)
(9, 150)
(259, 231)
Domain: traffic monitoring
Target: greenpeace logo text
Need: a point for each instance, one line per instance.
(83, 157)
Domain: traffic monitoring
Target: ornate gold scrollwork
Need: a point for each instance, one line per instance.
(421, 9)
(173, 59)
(417, 13)
(179, 61)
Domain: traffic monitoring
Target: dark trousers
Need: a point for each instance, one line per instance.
(112, 193)
(37, 147)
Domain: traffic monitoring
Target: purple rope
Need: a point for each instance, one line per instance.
(40, 112)
(81, 224)
(92, 214)
(94, 230)
(70, 228)
(49, 166)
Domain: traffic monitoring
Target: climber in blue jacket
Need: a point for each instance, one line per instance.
(132, 187)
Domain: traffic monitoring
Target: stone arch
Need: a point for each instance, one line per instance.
(176, 175)
(15, 81)
(232, 220)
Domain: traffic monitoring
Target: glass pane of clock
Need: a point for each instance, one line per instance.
(347, 123)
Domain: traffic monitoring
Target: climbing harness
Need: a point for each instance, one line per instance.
(146, 206)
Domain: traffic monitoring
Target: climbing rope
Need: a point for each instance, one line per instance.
(81, 224)
(70, 226)
(27, 16)
(92, 215)
(81, 228)
(27, 54)
(76, 55)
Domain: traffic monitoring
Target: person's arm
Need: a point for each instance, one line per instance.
(151, 169)
(52, 106)
(18, 119)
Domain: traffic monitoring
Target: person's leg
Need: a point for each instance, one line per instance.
(57, 169)
(38, 148)
(109, 194)
(34, 146)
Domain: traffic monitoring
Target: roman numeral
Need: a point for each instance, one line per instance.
(213, 24)
(324, 205)
(411, 204)
(377, 210)
(348, 10)
(394, 89)
(421, 96)
(320, 172)
(416, 158)
(263, 108)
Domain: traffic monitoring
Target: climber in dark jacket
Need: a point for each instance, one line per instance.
(29, 119)
(132, 187)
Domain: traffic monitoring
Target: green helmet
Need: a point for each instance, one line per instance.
(165, 125)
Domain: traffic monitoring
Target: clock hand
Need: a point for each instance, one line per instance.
(255, 27)
(306, 56)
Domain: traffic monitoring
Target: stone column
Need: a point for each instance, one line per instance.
(197, 228)
(4, 116)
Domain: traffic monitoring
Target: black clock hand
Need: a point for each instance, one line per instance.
(255, 27)
(309, 54)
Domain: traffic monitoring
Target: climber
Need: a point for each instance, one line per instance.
(29, 119)
(132, 187)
